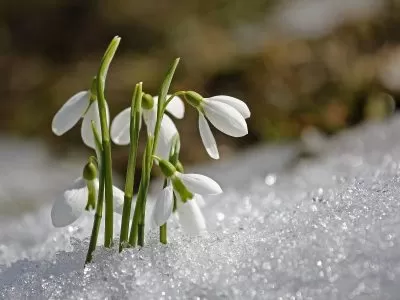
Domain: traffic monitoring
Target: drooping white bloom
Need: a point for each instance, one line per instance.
(164, 205)
(120, 126)
(68, 208)
(199, 184)
(77, 107)
(227, 114)
(189, 212)
(190, 215)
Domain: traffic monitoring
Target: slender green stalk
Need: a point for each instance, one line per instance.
(163, 228)
(100, 199)
(130, 173)
(161, 101)
(101, 77)
(138, 222)
(133, 236)
(173, 159)
(148, 164)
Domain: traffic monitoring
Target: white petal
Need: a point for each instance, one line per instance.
(199, 199)
(150, 118)
(176, 107)
(70, 113)
(225, 118)
(86, 130)
(120, 127)
(70, 206)
(237, 104)
(200, 184)
(167, 132)
(207, 137)
(118, 200)
(149, 219)
(164, 205)
(191, 217)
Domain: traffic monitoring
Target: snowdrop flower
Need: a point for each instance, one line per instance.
(190, 216)
(80, 196)
(186, 188)
(121, 123)
(227, 114)
(81, 105)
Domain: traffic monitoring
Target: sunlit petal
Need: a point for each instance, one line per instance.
(118, 200)
(120, 126)
(167, 132)
(68, 208)
(176, 107)
(191, 217)
(150, 118)
(164, 205)
(200, 184)
(225, 118)
(207, 137)
(70, 113)
(86, 130)
(237, 104)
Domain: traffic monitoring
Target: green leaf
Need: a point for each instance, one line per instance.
(165, 86)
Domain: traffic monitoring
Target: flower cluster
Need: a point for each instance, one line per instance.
(182, 193)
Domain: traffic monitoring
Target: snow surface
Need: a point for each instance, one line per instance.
(321, 228)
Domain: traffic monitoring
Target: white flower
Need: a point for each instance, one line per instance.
(189, 213)
(227, 114)
(120, 126)
(68, 208)
(75, 108)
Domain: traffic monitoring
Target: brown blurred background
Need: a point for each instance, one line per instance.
(328, 64)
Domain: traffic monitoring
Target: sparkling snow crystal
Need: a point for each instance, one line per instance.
(322, 228)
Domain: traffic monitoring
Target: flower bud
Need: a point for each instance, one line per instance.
(167, 168)
(147, 101)
(90, 171)
(193, 98)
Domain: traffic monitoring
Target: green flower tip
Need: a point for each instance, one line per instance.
(179, 187)
(167, 168)
(193, 98)
(90, 170)
(147, 101)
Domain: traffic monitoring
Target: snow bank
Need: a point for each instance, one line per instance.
(326, 228)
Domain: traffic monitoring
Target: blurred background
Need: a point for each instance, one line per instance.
(325, 64)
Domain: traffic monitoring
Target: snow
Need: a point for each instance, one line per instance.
(320, 228)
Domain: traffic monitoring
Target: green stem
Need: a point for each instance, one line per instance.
(101, 77)
(147, 172)
(173, 159)
(138, 222)
(163, 228)
(130, 173)
(133, 236)
(100, 200)
(96, 223)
